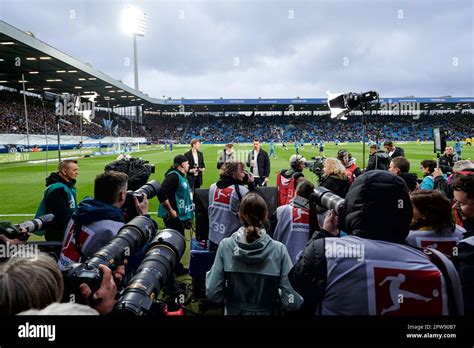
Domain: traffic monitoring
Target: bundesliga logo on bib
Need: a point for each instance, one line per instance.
(407, 292)
(223, 195)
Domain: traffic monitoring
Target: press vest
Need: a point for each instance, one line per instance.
(292, 229)
(370, 277)
(183, 199)
(223, 211)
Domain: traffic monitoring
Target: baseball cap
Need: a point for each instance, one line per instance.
(179, 159)
(297, 159)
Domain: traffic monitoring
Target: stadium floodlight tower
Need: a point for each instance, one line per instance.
(133, 23)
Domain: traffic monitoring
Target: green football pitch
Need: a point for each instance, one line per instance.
(22, 183)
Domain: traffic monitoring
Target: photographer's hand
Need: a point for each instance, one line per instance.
(142, 208)
(119, 272)
(15, 241)
(104, 297)
(330, 224)
(265, 181)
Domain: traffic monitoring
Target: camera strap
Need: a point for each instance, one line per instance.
(237, 190)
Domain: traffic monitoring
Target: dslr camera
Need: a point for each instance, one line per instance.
(130, 238)
(316, 165)
(22, 230)
(151, 189)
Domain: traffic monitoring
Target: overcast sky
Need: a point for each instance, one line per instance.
(267, 48)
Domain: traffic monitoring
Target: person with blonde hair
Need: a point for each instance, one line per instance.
(334, 177)
(250, 271)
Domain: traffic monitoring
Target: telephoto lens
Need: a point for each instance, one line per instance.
(35, 224)
(156, 269)
(326, 199)
(130, 238)
(150, 188)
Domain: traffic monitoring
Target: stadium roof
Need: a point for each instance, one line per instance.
(48, 69)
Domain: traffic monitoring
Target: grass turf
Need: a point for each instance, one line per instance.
(22, 184)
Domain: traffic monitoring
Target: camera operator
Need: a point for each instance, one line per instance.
(196, 165)
(224, 201)
(35, 282)
(226, 156)
(392, 150)
(287, 179)
(352, 170)
(334, 177)
(400, 166)
(59, 199)
(349, 275)
(446, 162)
(259, 162)
(378, 159)
(290, 223)
(97, 219)
(176, 206)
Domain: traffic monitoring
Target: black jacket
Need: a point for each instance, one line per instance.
(57, 203)
(167, 190)
(398, 152)
(446, 163)
(336, 185)
(411, 179)
(195, 181)
(263, 163)
(379, 160)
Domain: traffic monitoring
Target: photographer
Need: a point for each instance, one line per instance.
(59, 199)
(196, 165)
(287, 179)
(352, 170)
(224, 201)
(259, 162)
(35, 282)
(378, 159)
(349, 275)
(290, 223)
(334, 177)
(446, 162)
(97, 219)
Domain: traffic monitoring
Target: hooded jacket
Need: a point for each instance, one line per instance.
(351, 275)
(59, 199)
(252, 279)
(98, 223)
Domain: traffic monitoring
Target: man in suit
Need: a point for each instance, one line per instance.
(196, 165)
(259, 164)
(393, 151)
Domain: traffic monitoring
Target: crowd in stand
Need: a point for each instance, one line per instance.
(209, 128)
